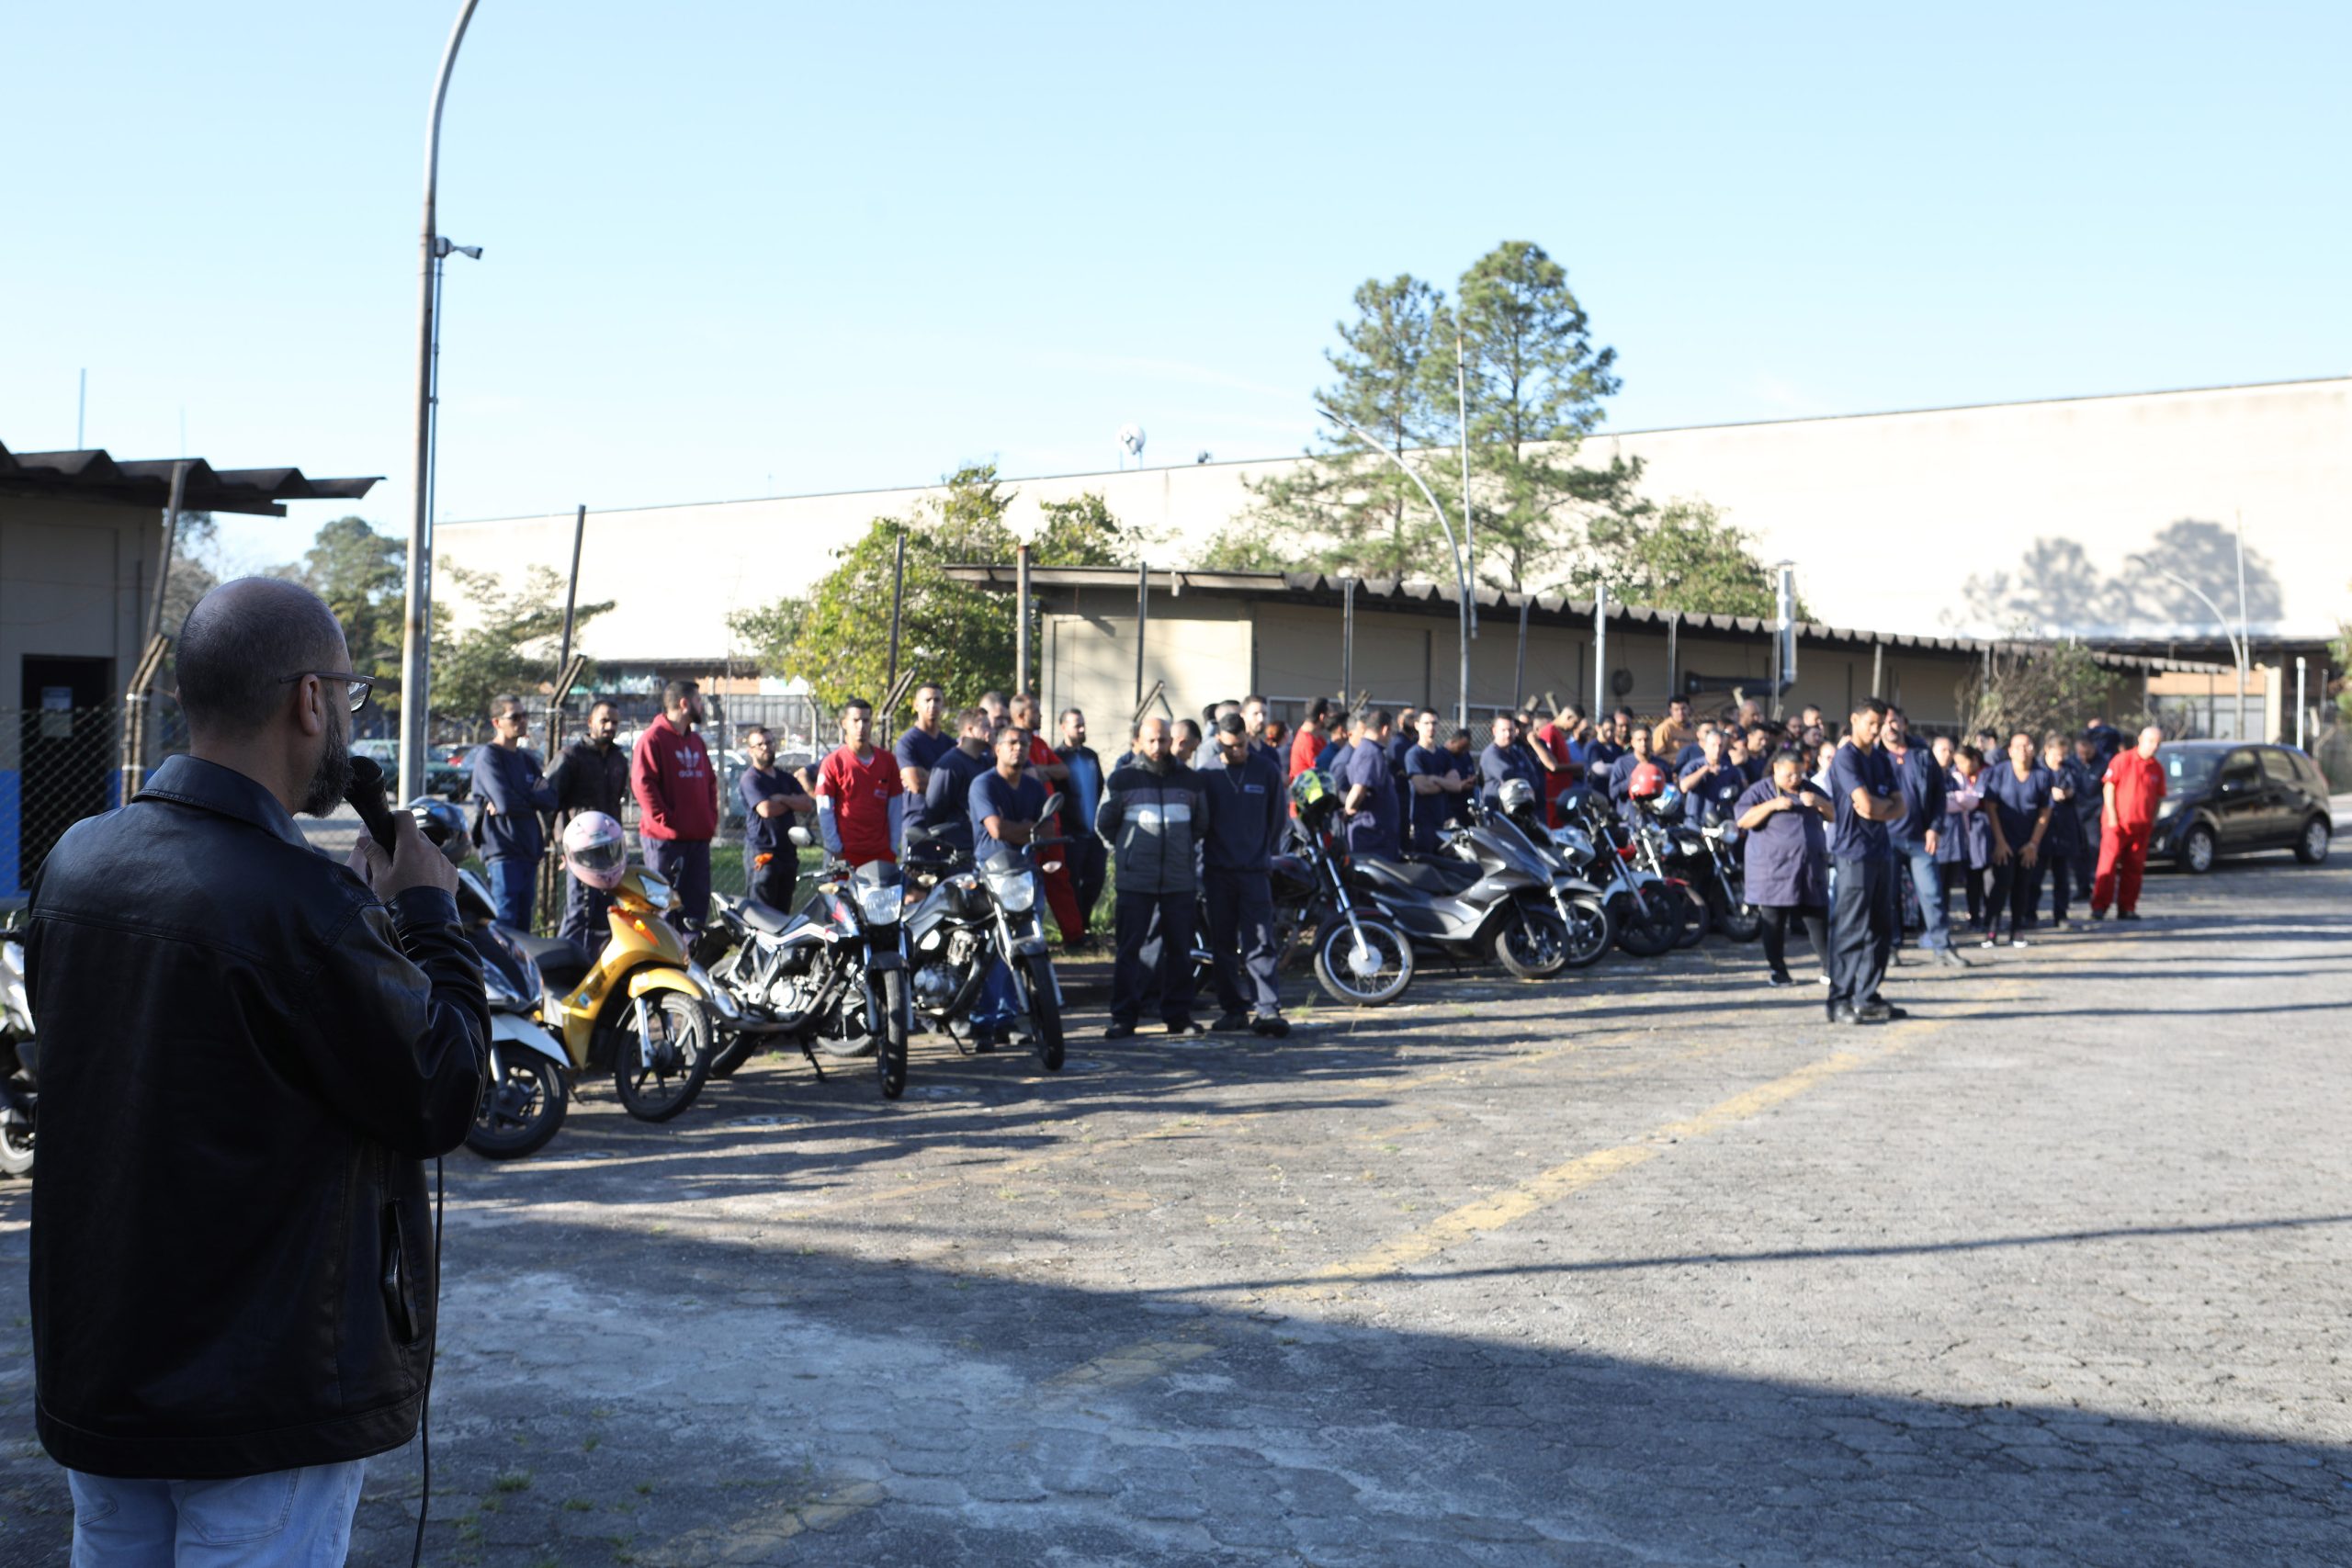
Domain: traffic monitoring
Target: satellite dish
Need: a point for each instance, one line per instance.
(1131, 438)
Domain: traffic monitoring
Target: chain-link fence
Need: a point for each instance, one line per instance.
(59, 764)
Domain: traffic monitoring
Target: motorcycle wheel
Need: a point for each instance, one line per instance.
(1738, 919)
(681, 1059)
(1388, 969)
(1044, 1012)
(1532, 947)
(523, 1110)
(16, 1147)
(1591, 931)
(892, 1058)
(1646, 929)
(1691, 908)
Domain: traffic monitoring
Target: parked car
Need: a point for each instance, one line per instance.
(2226, 798)
(449, 770)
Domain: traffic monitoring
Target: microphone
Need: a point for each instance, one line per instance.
(366, 794)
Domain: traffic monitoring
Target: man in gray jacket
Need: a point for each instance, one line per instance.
(1154, 817)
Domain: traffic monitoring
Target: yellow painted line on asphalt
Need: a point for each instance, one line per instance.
(1129, 1365)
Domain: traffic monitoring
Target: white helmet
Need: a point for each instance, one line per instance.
(596, 849)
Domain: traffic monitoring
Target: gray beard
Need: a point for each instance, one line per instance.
(331, 777)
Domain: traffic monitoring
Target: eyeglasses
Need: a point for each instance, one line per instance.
(360, 684)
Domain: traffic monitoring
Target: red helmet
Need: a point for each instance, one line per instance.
(1647, 781)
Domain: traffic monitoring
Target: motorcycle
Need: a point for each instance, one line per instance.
(1489, 898)
(1708, 860)
(1362, 957)
(530, 1075)
(974, 922)
(832, 977)
(641, 1008)
(1653, 850)
(19, 1061)
(1647, 915)
(1579, 903)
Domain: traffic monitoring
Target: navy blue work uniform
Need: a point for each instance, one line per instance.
(770, 865)
(1089, 858)
(507, 780)
(1787, 869)
(1499, 764)
(1249, 816)
(1430, 812)
(1923, 787)
(1374, 828)
(947, 798)
(918, 747)
(1620, 779)
(1017, 799)
(1712, 794)
(1861, 911)
(2015, 804)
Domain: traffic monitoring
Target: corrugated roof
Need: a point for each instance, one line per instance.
(94, 475)
(1542, 608)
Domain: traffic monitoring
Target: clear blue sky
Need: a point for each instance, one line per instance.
(735, 247)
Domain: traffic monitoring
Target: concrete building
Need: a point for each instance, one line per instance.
(1293, 636)
(81, 542)
(1964, 521)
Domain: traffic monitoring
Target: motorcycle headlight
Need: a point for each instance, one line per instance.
(879, 903)
(1016, 892)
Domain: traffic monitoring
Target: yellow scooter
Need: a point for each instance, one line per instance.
(641, 1008)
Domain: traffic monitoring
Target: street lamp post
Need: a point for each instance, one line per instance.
(417, 642)
(2236, 639)
(1461, 573)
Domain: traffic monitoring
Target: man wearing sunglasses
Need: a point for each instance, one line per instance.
(248, 1050)
(512, 792)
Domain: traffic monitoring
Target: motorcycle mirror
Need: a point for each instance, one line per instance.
(799, 836)
(1053, 805)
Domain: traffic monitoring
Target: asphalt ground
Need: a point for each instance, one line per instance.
(1650, 1265)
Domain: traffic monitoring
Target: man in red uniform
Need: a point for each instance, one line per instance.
(2134, 785)
(677, 802)
(1046, 765)
(1307, 744)
(861, 799)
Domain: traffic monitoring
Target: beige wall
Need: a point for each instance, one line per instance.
(1885, 515)
(73, 581)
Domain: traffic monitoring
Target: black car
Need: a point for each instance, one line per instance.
(2226, 798)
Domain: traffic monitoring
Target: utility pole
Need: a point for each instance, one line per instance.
(1461, 567)
(416, 643)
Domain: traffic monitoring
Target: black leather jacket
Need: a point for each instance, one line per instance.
(244, 1058)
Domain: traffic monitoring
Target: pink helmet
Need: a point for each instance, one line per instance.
(596, 849)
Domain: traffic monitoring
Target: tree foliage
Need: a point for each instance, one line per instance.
(362, 575)
(1683, 557)
(2039, 687)
(836, 638)
(506, 642)
(1348, 507)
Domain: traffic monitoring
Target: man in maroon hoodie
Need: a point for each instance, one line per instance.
(677, 802)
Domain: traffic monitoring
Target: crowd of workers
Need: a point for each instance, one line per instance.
(1842, 830)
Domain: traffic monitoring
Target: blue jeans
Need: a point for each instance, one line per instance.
(513, 883)
(287, 1518)
(1935, 900)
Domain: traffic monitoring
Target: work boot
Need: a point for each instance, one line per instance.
(1951, 960)
(1231, 1023)
(1119, 1032)
(1272, 1025)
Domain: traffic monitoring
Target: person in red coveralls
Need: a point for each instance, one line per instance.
(2134, 787)
(861, 799)
(677, 802)
(1046, 765)
(1307, 744)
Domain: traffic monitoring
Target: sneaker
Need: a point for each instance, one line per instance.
(1990, 941)
(2128, 915)
(1825, 976)
(1272, 1025)
(1877, 1012)
(2097, 915)
(1777, 980)
(1951, 960)
(1183, 1026)
(2058, 924)
(1846, 1012)
(2013, 942)
(1119, 1032)
(1229, 1023)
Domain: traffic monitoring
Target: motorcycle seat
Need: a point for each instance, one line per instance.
(562, 963)
(767, 917)
(1434, 878)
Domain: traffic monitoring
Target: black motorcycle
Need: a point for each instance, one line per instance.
(1649, 918)
(19, 1061)
(1707, 860)
(833, 976)
(1362, 957)
(977, 922)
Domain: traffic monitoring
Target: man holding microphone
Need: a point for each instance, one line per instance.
(247, 1052)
